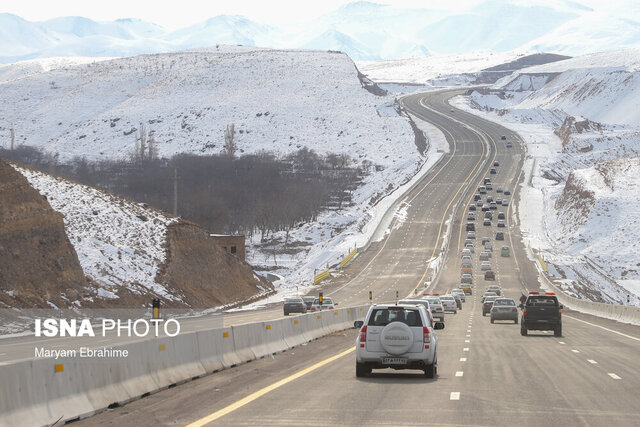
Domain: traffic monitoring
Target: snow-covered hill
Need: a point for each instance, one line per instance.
(579, 118)
(279, 101)
(364, 30)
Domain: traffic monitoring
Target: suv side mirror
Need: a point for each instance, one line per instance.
(561, 306)
(358, 324)
(438, 325)
(335, 303)
(521, 306)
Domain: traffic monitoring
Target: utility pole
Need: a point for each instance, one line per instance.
(175, 192)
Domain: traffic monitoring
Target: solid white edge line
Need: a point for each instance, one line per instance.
(602, 327)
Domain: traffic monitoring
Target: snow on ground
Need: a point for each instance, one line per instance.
(279, 101)
(579, 205)
(22, 69)
(119, 243)
(425, 69)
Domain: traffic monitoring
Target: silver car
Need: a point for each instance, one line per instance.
(504, 309)
(422, 302)
(449, 303)
(488, 294)
(437, 310)
(459, 292)
(486, 265)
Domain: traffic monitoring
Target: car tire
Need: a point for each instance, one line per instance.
(515, 321)
(362, 370)
(557, 332)
(523, 331)
(432, 370)
(286, 314)
(484, 314)
(492, 320)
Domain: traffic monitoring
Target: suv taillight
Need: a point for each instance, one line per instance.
(426, 335)
(524, 313)
(363, 334)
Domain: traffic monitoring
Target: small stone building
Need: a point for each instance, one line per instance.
(232, 244)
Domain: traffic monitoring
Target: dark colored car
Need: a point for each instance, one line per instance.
(471, 226)
(541, 313)
(294, 305)
(496, 163)
(487, 304)
(472, 207)
(489, 275)
(493, 171)
(507, 191)
(501, 215)
(458, 301)
(499, 235)
(503, 137)
(308, 301)
(477, 197)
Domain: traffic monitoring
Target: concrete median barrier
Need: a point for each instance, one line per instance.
(274, 341)
(210, 349)
(293, 331)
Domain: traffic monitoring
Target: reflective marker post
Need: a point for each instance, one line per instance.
(320, 298)
(370, 297)
(397, 297)
(156, 308)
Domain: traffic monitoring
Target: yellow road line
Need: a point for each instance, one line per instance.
(253, 396)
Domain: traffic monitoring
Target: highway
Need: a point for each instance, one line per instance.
(488, 374)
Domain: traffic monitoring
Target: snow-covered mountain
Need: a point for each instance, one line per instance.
(279, 101)
(364, 30)
(580, 210)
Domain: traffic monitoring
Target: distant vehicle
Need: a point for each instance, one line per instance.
(489, 199)
(495, 288)
(504, 202)
(504, 252)
(487, 222)
(499, 190)
(472, 207)
(471, 216)
(541, 313)
(471, 234)
(470, 247)
(487, 180)
(488, 214)
(482, 189)
(404, 339)
(499, 235)
(458, 301)
(449, 303)
(507, 191)
(501, 215)
(489, 186)
(489, 275)
(493, 171)
(486, 265)
(471, 227)
(466, 267)
(294, 305)
(485, 239)
(466, 287)
(451, 110)
(485, 207)
(477, 197)
(466, 258)
(308, 301)
(466, 278)
(422, 302)
(503, 137)
(487, 304)
(437, 310)
(460, 292)
(465, 252)
(496, 163)
(488, 246)
(504, 309)
(479, 202)
(509, 145)
(493, 206)
(498, 201)
(488, 294)
(327, 304)
(501, 224)
(485, 255)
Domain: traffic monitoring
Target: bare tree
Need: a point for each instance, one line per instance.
(141, 140)
(13, 138)
(230, 146)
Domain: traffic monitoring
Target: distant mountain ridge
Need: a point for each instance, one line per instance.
(364, 30)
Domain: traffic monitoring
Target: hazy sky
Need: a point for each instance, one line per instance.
(178, 14)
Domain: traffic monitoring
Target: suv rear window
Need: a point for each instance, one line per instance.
(504, 302)
(384, 316)
(542, 301)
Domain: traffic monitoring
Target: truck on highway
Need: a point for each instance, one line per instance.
(541, 312)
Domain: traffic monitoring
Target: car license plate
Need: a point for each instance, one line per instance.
(394, 361)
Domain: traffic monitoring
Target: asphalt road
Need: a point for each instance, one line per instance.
(488, 373)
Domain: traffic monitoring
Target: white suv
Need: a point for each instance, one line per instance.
(399, 337)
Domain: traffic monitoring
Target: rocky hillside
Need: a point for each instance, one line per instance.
(38, 264)
(68, 245)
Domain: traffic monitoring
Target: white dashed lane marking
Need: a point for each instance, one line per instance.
(455, 395)
(614, 376)
(465, 349)
(576, 351)
(459, 373)
(463, 359)
(593, 362)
